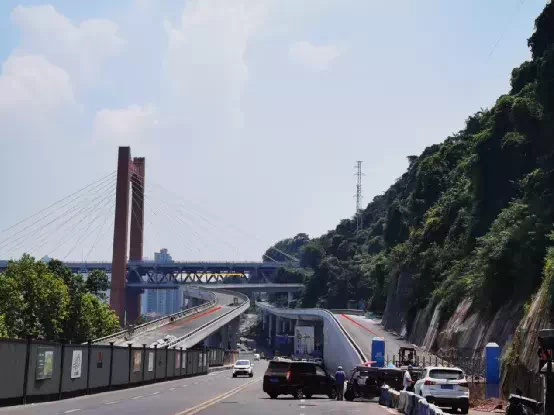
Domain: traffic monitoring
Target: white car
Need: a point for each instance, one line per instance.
(256, 356)
(444, 386)
(243, 367)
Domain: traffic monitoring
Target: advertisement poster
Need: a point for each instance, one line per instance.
(76, 363)
(137, 358)
(177, 360)
(45, 363)
(303, 340)
(99, 360)
(150, 361)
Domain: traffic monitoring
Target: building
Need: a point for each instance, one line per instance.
(162, 256)
(161, 302)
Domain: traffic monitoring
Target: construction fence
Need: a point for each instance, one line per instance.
(34, 370)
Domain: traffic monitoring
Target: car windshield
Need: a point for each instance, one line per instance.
(242, 362)
(448, 374)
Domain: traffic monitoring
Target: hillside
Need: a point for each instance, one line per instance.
(469, 222)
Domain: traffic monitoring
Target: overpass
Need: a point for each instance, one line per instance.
(339, 348)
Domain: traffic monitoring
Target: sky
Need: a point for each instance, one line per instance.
(251, 114)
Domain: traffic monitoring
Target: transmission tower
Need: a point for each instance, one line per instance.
(359, 197)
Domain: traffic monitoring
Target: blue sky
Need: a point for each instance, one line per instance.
(253, 110)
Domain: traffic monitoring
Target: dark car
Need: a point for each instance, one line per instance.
(298, 379)
(364, 383)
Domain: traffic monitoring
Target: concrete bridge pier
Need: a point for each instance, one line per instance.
(270, 334)
(234, 333)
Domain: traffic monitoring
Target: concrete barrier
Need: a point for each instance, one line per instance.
(409, 403)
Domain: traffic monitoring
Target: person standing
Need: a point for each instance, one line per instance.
(340, 377)
(407, 382)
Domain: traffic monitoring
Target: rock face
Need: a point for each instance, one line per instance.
(521, 361)
(395, 315)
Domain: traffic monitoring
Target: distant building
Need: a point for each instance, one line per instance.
(162, 256)
(161, 302)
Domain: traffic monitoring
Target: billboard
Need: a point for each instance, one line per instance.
(303, 340)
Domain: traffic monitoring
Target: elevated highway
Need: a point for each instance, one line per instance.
(339, 348)
(191, 326)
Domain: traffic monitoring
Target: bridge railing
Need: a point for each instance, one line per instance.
(154, 324)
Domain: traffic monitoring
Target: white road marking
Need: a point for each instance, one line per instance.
(138, 397)
(172, 389)
(110, 403)
(72, 410)
(302, 400)
(184, 386)
(155, 393)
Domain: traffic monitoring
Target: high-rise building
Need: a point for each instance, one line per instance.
(161, 302)
(162, 256)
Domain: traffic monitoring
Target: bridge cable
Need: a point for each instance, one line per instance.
(234, 247)
(86, 235)
(97, 185)
(84, 207)
(101, 233)
(55, 203)
(64, 214)
(106, 199)
(227, 225)
(154, 213)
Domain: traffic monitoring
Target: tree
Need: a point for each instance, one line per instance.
(47, 301)
(97, 283)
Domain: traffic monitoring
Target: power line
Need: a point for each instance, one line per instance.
(508, 25)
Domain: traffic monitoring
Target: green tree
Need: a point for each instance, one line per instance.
(97, 283)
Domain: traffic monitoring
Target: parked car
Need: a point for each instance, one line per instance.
(299, 379)
(444, 386)
(392, 377)
(364, 383)
(256, 356)
(244, 368)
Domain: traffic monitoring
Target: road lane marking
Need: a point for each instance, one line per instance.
(358, 324)
(138, 397)
(155, 393)
(219, 398)
(172, 389)
(110, 403)
(72, 410)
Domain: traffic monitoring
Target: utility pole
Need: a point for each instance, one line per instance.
(359, 197)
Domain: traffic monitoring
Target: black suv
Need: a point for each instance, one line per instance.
(298, 379)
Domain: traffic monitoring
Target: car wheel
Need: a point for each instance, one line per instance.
(298, 393)
(251, 374)
(333, 394)
(455, 409)
(349, 395)
(465, 409)
(234, 375)
(308, 396)
(273, 395)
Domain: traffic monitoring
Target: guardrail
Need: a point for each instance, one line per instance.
(348, 311)
(154, 324)
(244, 306)
(361, 354)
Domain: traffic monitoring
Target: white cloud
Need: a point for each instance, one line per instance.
(205, 62)
(80, 49)
(33, 91)
(127, 125)
(315, 58)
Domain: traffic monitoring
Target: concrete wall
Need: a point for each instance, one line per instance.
(12, 358)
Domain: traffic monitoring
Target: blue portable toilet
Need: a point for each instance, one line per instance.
(378, 351)
(492, 363)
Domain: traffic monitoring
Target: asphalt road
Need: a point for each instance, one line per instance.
(214, 394)
(181, 327)
(363, 330)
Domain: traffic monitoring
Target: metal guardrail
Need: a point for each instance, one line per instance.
(154, 324)
(348, 311)
(243, 306)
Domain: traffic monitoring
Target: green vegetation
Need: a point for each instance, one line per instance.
(47, 301)
(470, 216)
